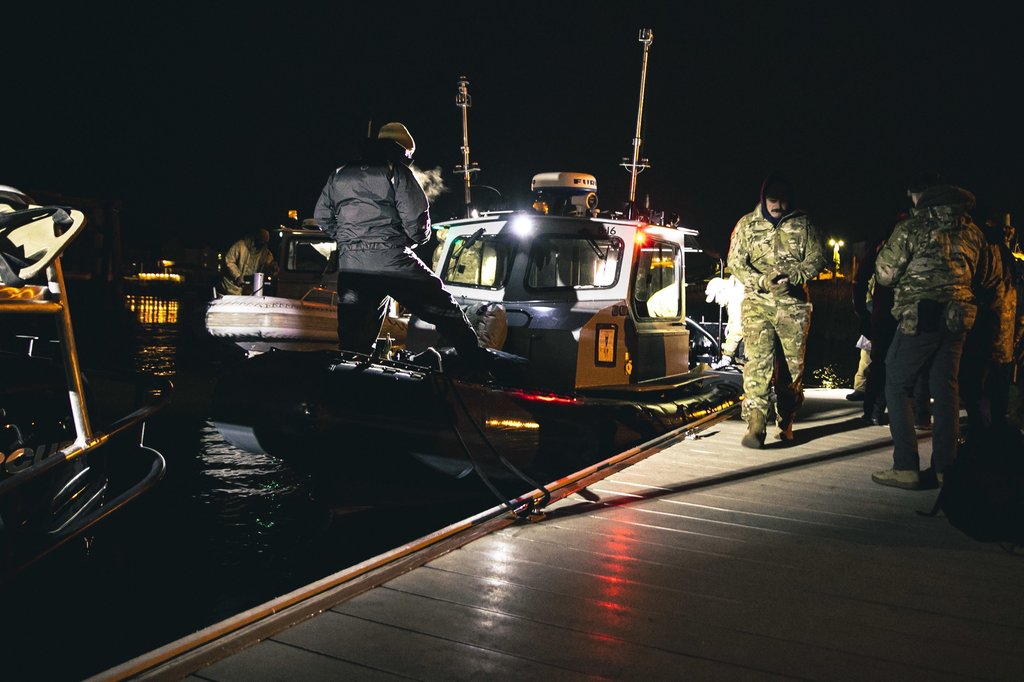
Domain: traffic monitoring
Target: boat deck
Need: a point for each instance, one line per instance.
(704, 561)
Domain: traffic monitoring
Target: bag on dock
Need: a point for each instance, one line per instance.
(983, 491)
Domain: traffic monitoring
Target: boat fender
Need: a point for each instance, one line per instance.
(490, 323)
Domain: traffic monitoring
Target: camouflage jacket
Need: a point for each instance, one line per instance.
(760, 251)
(1002, 309)
(937, 254)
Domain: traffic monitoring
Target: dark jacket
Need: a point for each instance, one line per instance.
(374, 201)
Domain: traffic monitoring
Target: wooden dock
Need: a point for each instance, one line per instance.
(704, 561)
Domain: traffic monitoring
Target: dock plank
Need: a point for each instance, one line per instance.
(399, 650)
(704, 561)
(756, 642)
(737, 599)
(552, 641)
(276, 662)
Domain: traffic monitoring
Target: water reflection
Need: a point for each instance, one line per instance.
(158, 334)
(152, 309)
(254, 493)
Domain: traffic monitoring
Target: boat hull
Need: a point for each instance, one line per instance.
(48, 496)
(377, 424)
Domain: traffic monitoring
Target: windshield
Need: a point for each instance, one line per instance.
(311, 254)
(482, 262)
(574, 262)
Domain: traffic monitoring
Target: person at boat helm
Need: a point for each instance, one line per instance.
(774, 251)
(376, 211)
(244, 258)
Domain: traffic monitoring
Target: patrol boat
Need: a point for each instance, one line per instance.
(596, 359)
(58, 474)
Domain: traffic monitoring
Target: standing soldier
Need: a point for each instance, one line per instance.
(935, 261)
(774, 251)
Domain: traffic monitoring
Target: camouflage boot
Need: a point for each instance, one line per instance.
(756, 427)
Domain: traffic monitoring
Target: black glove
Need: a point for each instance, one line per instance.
(864, 318)
(778, 284)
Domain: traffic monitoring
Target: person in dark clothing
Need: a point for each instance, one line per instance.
(878, 326)
(987, 366)
(376, 211)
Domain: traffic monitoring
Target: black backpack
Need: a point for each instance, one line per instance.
(983, 491)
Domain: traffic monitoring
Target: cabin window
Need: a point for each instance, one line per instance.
(483, 263)
(657, 291)
(574, 263)
(311, 255)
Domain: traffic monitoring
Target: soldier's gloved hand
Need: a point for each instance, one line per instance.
(778, 283)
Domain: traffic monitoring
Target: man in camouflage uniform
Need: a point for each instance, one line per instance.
(935, 261)
(774, 251)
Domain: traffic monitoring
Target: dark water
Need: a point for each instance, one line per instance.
(224, 531)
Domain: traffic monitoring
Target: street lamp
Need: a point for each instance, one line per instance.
(836, 244)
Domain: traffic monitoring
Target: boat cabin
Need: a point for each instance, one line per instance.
(591, 302)
(307, 259)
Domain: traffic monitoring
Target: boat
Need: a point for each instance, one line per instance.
(259, 323)
(596, 359)
(59, 475)
(300, 314)
(589, 355)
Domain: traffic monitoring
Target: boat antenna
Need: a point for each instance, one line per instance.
(466, 168)
(637, 165)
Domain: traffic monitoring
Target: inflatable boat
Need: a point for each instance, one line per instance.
(301, 313)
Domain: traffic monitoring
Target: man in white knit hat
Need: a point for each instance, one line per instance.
(377, 211)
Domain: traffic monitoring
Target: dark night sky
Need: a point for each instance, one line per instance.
(207, 123)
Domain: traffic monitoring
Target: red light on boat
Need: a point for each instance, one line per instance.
(542, 397)
(641, 237)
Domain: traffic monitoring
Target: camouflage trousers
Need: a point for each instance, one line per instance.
(775, 336)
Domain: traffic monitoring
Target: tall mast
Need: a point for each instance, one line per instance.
(466, 168)
(636, 165)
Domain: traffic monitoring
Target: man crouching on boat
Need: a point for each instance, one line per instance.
(774, 250)
(376, 211)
